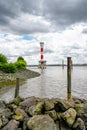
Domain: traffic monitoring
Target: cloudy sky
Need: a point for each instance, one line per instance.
(60, 24)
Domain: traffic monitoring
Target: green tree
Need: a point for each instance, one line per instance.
(3, 58)
(21, 64)
(20, 58)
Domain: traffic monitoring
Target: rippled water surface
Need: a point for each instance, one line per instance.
(51, 83)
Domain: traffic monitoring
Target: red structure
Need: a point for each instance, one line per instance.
(42, 62)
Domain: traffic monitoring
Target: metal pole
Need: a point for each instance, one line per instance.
(69, 77)
(17, 88)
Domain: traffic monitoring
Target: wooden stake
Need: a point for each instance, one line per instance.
(69, 64)
(17, 88)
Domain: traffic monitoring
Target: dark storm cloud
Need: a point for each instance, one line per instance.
(12, 9)
(65, 12)
(31, 6)
(8, 9)
(60, 13)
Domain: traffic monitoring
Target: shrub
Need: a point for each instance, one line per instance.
(9, 68)
(3, 59)
(1, 66)
(21, 64)
(20, 58)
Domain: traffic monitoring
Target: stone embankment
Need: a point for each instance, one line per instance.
(43, 114)
(7, 78)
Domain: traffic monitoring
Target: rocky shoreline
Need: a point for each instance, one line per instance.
(10, 78)
(34, 113)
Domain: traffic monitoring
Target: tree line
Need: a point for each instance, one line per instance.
(7, 67)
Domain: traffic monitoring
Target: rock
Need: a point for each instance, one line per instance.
(52, 114)
(79, 124)
(1, 124)
(5, 112)
(62, 126)
(63, 105)
(2, 104)
(17, 101)
(48, 105)
(41, 122)
(28, 102)
(12, 125)
(3, 121)
(79, 108)
(36, 109)
(20, 115)
(78, 100)
(69, 116)
(19, 129)
(86, 125)
(12, 107)
(25, 123)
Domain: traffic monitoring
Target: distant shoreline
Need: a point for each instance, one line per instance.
(57, 65)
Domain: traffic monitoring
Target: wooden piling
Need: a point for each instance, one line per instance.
(62, 64)
(69, 65)
(17, 88)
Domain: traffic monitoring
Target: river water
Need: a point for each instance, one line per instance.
(51, 83)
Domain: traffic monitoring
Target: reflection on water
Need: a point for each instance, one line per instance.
(51, 83)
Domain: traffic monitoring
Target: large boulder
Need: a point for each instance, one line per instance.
(12, 125)
(36, 109)
(69, 116)
(28, 102)
(41, 122)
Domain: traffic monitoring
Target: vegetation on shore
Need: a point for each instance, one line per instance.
(7, 67)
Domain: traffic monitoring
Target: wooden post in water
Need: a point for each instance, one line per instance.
(17, 88)
(62, 64)
(69, 65)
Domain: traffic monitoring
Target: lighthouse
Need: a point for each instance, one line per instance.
(42, 62)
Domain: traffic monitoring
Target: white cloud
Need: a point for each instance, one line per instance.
(57, 46)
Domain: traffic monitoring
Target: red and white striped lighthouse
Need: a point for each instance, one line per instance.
(42, 62)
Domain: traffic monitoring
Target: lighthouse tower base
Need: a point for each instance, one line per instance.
(42, 64)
